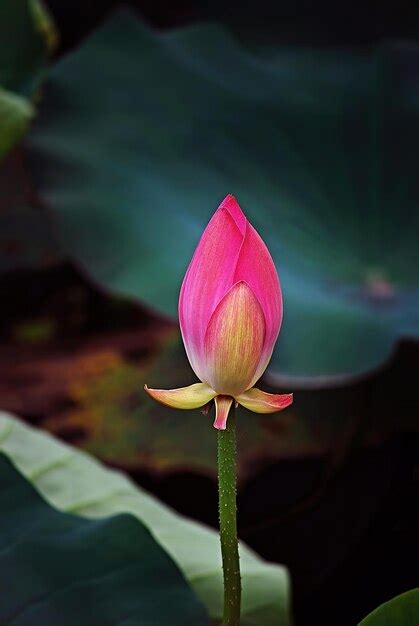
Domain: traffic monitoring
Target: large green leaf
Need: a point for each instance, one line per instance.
(143, 133)
(403, 610)
(74, 482)
(60, 568)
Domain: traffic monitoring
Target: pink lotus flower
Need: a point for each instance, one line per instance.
(230, 313)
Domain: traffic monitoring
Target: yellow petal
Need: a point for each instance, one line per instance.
(222, 409)
(234, 341)
(261, 402)
(191, 397)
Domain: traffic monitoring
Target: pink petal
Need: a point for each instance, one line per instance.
(256, 267)
(234, 341)
(208, 278)
(230, 203)
(230, 251)
(191, 397)
(261, 402)
(222, 409)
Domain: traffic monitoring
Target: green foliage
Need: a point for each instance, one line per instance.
(403, 610)
(23, 52)
(44, 23)
(16, 113)
(74, 482)
(59, 568)
(143, 133)
(26, 33)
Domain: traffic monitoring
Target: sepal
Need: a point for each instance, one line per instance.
(191, 397)
(261, 402)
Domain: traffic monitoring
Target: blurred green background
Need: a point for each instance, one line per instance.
(121, 129)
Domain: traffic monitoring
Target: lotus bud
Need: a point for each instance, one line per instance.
(230, 313)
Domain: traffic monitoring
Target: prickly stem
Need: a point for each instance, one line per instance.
(228, 521)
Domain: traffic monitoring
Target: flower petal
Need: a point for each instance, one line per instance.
(234, 341)
(256, 267)
(230, 203)
(208, 278)
(222, 409)
(191, 397)
(261, 402)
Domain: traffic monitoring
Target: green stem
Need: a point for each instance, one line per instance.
(228, 521)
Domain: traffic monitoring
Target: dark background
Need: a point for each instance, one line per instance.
(302, 21)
